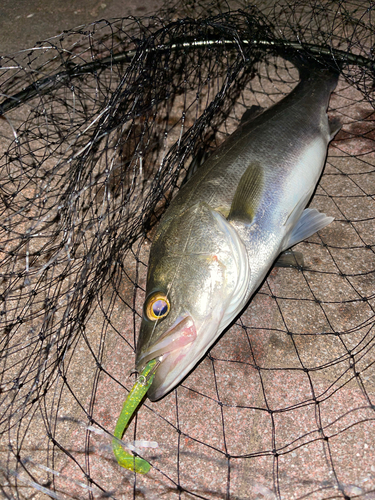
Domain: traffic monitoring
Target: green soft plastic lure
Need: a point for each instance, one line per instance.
(132, 402)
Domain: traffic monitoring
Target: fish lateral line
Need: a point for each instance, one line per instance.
(133, 400)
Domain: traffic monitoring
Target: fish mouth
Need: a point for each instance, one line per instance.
(170, 350)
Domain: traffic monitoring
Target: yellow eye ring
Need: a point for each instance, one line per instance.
(157, 306)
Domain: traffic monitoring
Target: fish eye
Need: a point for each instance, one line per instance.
(157, 306)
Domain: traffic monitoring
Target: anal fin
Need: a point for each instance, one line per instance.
(334, 127)
(290, 259)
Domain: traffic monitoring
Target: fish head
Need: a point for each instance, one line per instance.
(197, 278)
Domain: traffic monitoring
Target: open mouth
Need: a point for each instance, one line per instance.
(171, 349)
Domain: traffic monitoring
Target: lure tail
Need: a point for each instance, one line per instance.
(135, 396)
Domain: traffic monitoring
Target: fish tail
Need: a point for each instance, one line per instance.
(311, 66)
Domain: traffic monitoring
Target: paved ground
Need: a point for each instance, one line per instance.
(318, 420)
(24, 22)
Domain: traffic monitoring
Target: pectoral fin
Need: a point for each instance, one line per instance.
(309, 223)
(248, 194)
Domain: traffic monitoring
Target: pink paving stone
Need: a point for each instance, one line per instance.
(253, 478)
(248, 432)
(195, 425)
(241, 387)
(295, 428)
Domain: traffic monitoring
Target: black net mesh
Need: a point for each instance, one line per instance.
(115, 116)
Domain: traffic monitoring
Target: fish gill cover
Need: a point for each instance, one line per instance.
(100, 126)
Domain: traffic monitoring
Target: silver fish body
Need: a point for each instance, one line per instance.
(227, 225)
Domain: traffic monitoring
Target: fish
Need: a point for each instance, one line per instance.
(228, 224)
